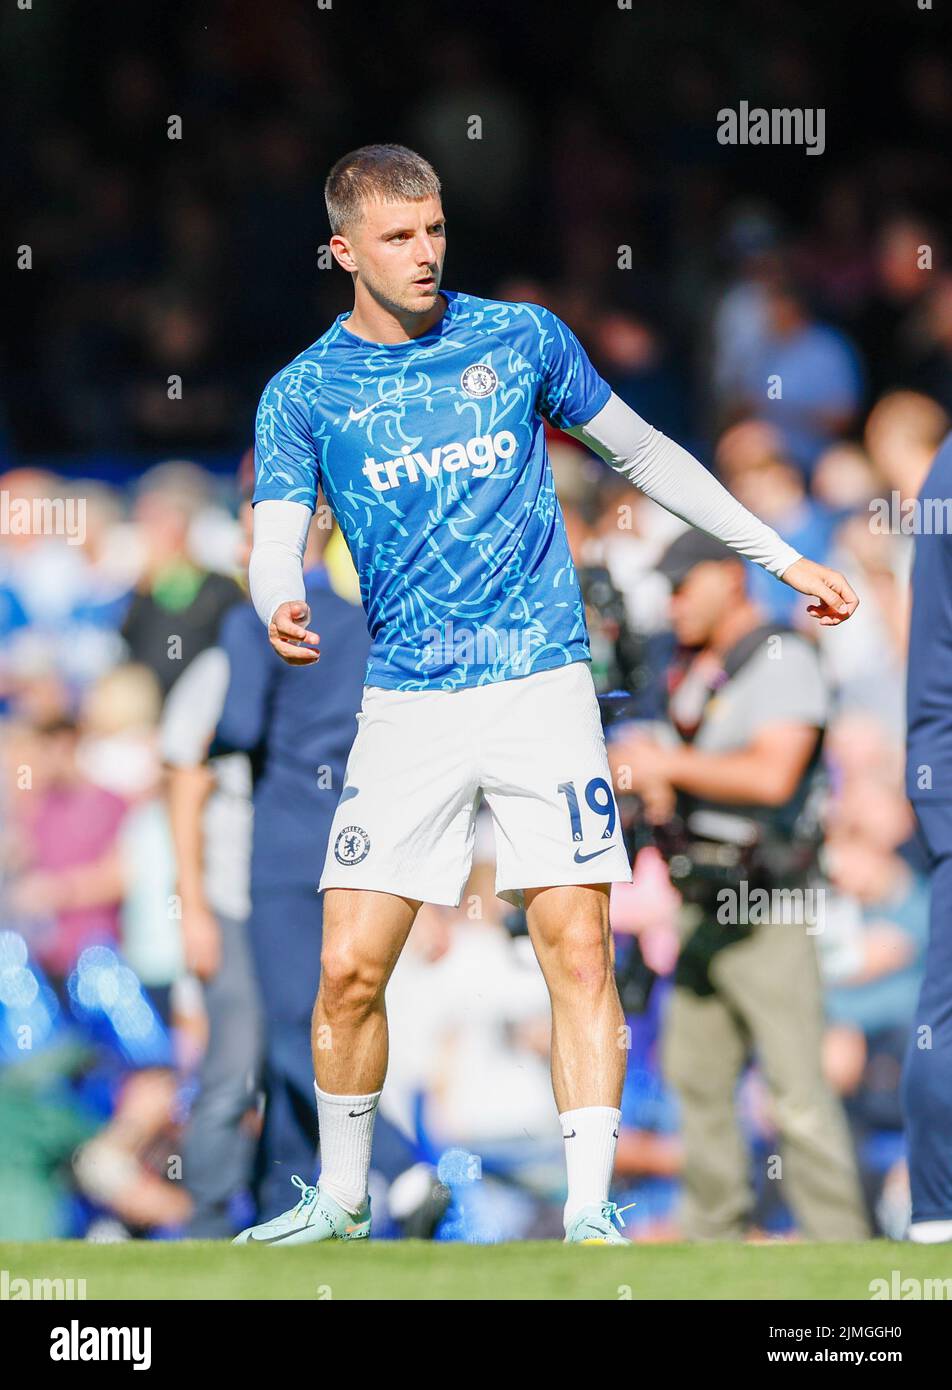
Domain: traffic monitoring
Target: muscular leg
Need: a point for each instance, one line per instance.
(569, 931)
(364, 933)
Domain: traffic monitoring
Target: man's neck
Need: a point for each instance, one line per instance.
(378, 324)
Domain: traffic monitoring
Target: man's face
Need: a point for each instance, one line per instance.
(397, 251)
(701, 601)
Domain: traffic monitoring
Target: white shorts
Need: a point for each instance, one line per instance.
(423, 760)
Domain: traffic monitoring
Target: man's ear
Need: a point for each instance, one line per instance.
(340, 250)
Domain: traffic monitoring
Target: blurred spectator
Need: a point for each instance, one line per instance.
(177, 607)
(632, 357)
(874, 545)
(878, 972)
(844, 480)
(298, 726)
(120, 751)
(62, 590)
(743, 982)
(805, 378)
(872, 952)
(739, 322)
(751, 458)
(96, 873)
(71, 885)
(211, 820)
(903, 431)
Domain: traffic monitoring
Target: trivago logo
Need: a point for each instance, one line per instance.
(480, 454)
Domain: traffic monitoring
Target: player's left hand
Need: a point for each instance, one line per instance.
(835, 600)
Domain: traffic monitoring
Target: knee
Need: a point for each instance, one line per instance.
(580, 960)
(350, 984)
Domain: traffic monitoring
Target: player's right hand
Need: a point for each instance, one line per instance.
(835, 600)
(289, 635)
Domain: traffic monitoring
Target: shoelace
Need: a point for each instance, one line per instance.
(612, 1212)
(308, 1193)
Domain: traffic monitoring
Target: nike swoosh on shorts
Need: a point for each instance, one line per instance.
(581, 858)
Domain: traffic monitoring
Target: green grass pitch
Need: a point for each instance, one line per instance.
(419, 1270)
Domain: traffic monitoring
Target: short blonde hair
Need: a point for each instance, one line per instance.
(385, 173)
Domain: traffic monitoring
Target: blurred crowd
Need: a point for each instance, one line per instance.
(801, 345)
(102, 1026)
(168, 175)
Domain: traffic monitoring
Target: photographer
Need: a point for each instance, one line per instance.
(730, 788)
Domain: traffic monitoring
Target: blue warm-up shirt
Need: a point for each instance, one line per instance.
(432, 456)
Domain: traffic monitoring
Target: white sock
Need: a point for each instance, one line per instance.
(347, 1127)
(590, 1135)
(930, 1232)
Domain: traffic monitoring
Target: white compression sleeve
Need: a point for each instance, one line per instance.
(276, 570)
(679, 482)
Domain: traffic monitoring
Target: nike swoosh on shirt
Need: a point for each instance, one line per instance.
(359, 414)
(581, 858)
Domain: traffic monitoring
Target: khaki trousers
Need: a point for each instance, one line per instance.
(766, 999)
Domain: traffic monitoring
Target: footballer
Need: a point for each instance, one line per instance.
(420, 415)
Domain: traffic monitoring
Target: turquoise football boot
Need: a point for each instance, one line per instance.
(595, 1225)
(316, 1217)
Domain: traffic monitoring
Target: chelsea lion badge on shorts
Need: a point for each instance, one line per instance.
(352, 845)
(479, 380)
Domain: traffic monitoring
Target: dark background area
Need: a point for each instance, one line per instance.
(199, 256)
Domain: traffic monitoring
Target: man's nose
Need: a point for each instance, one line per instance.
(427, 252)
